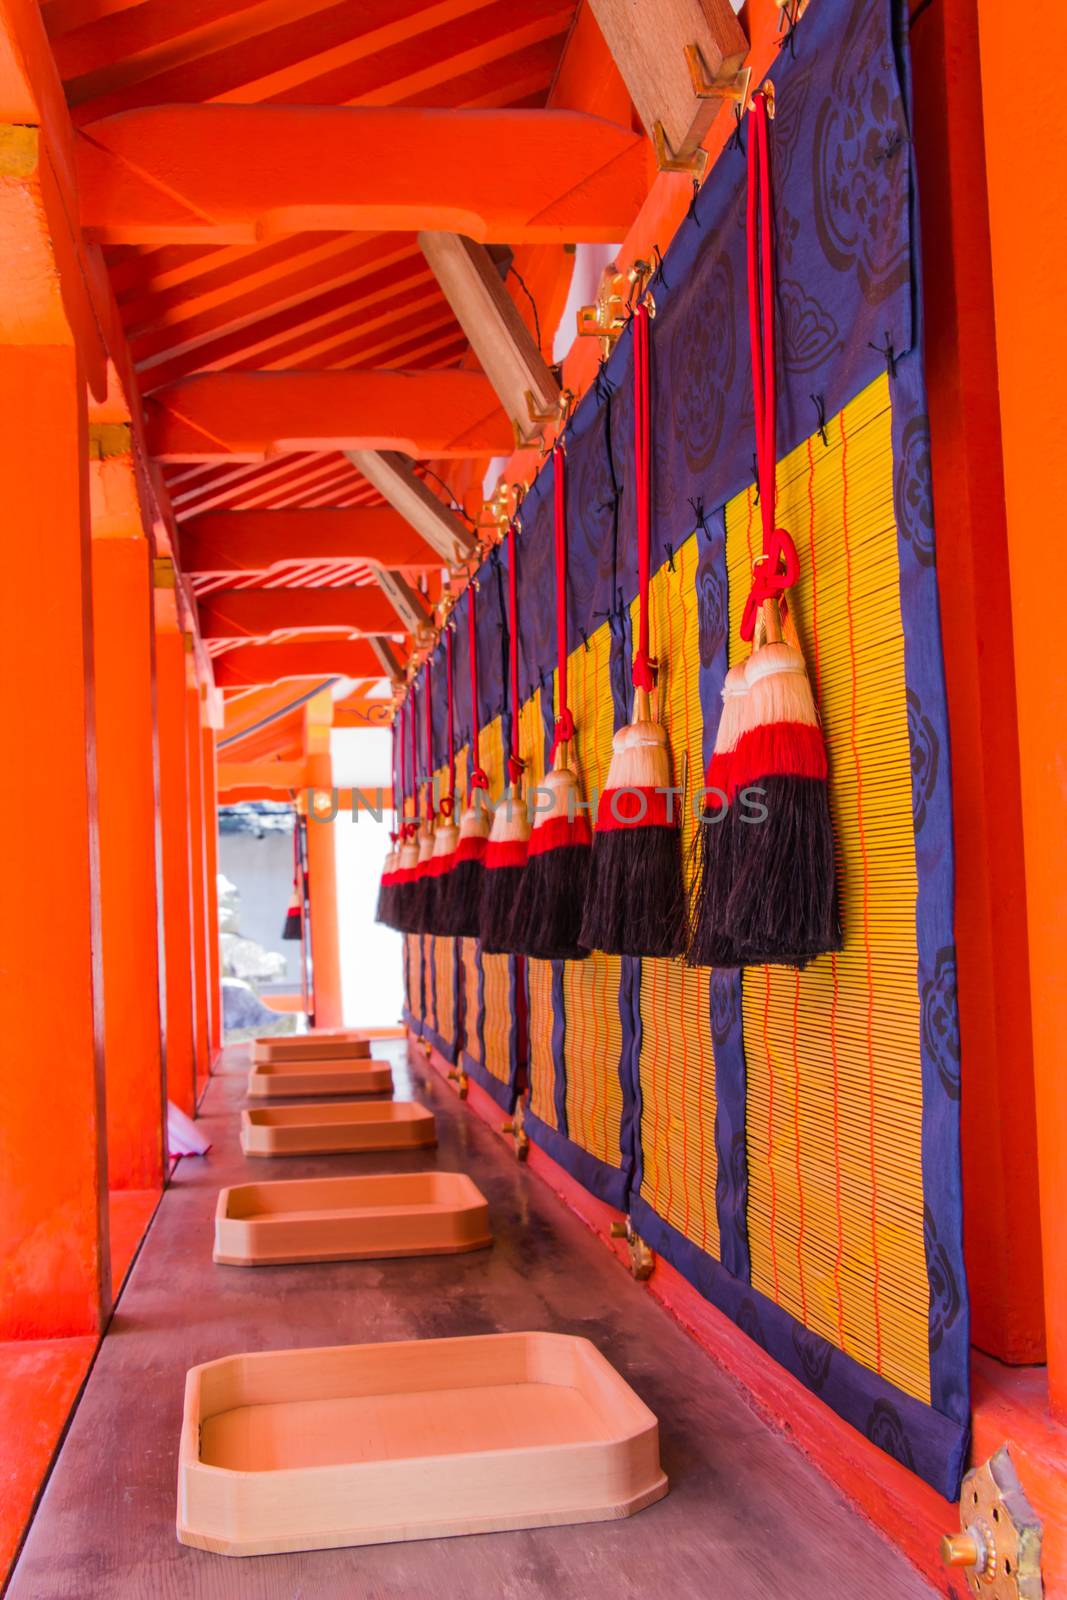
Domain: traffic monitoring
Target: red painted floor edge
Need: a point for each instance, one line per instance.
(910, 1514)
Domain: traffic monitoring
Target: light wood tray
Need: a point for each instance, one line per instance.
(373, 1443)
(270, 1078)
(337, 1125)
(311, 1047)
(348, 1219)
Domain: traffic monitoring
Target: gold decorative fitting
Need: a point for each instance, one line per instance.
(457, 1076)
(734, 86)
(640, 276)
(606, 319)
(642, 1258)
(766, 89)
(516, 1126)
(667, 161)
(999, 1545)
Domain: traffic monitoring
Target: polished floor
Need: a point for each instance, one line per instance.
(747, 1517)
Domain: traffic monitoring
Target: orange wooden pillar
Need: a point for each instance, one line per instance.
(54, 1261)
(124, 661)
(197, 868)
(210, 769)
(322, 864)
(171, 702)
(1025, 139)
(1001, 1217)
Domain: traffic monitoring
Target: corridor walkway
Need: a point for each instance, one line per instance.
(746, 1517)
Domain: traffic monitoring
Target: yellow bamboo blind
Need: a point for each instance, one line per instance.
(593, 1030)
(592, 1046)
(542, 1061)
(415, 990)
(834, 1081)
(677, 1065)
(532, 739)
(444, 960)
(496, 1025)
(467, 953)
(677, 1068)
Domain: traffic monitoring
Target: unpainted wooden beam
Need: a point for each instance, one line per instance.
(679, 59)
(395, 478)
(509, 357)
(406, 601)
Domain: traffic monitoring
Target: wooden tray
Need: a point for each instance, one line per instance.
(311, 1047)
(270, 1078)
(339, 1125)
(373, 1443)
(349, 1219)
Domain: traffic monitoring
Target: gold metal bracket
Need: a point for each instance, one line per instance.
(642, 1257)
(667, 161)
(734, 87)
(606, 318)
(516, 1126)
(999, 1545)
(457, 1076)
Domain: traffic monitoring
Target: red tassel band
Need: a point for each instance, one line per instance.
(438, 866)
(505, 853)
(559, 834)
(620, 809)
(470, 849)
(777, 750)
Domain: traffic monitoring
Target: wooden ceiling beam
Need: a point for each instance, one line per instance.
(392, 665)
(253, 664)
(232, 174)
(509, 357)
(405, 601)
(680, 60)
(259, 613)
(247, 416)
(395, 478)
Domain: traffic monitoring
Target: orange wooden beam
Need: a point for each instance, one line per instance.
(54, 1265)
(322, 865)
(197, 876)
(246, 416)
(187, 174)
(275, 778)
(251, 665)
(257, 613)
(1031, 347)
(231, 542)
(126, 774)
(1002, 1228)
(211, 864)
(179, 1015)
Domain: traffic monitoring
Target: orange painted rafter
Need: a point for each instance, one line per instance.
(278, 59)
(180, 323)
(432, 62)
(298, 338)
(248, 541)
(250, 665)
(258, 613)
(275, 778)
(515, 81)
(296, 477)
(248, 415)
(188, 174)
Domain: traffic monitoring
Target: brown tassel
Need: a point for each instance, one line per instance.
(718, 838)
(546, 919)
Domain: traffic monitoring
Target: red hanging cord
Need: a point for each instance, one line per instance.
(644, 665)
(448, 804)
(478, 778)
(563, 731)
(393, 771)
(429, 747)
(778, 566)
(515, 762)
(411, 828)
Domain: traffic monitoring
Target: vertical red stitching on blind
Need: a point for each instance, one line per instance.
(653, 970)
(704, 1000)
(866, 898)
(835, 995)
(796, 1146)
(770, 1124)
